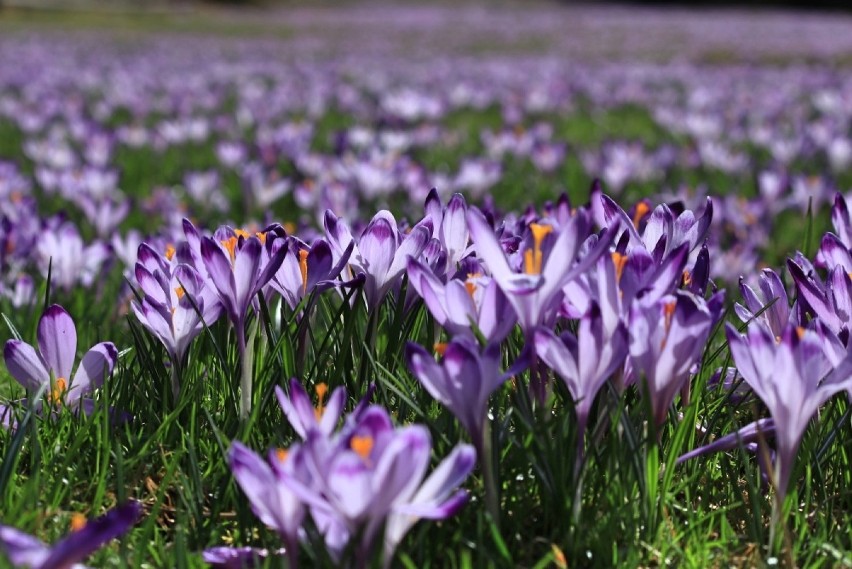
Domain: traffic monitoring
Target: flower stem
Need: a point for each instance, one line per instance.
(486, 459)
(246, 354)
(175, 381)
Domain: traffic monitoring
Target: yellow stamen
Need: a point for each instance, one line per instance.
(533, 258)
(641, 210)
(180, 292)
(362, 445)
(60, 386)
(440, 348)
(321, 389)
(281, 454)
(303, 268)
(78, 521)
(262, 237)
(231, 245)
(686, 278)
(170, 251)
(241, 233)
(620, 261)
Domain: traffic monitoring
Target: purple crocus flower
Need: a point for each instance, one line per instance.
(462, 381)
(105, 214)
(667, 338)
(308, 269)
(371, 472)
(50, 367)
(301, 413)
(271, 500)
(459, 305)
(586, 361)
(70, 261)
(24, 550)
(831, 301)
(549, 263)
(234, 266)
(793, 378)
(237, 272)
(450, 227)
(686, 228)
(380, 252)
(778, 315)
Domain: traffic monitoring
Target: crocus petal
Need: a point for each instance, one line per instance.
(331, 413)
(246, 265)
(488, 248)
(431, 501)
(454, 232)
(349, 480)
(95, 365)
(297, 408)
(23, 550)
(25, 365)
(411, 246)
(236, 557)
(57, 340)
(258, 482)
(378, 244)
(79, 544)
(402, 465)
(751, 432)
(221, 274)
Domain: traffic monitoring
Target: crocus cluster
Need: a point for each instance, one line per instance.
(354, 481)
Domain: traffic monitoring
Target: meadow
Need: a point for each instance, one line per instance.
(425, 286)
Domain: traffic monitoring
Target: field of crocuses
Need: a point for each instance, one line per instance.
(452, 288)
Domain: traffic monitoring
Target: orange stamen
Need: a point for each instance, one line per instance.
(668, 314)
(800, 332)
(170, 251)
(470, 287)
(303, 268)
(642, 209)
(620, 261)
(180, 292)
(231, 245)
(321, 389)
(533, 258)
(241, 233)
(362, 445)
(686, 278)
(60, 386)
(281, 454)
(440, 348)
(262, 237)
(78, 521)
